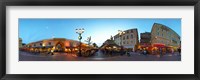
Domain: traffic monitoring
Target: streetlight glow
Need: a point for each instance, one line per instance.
(80, 31)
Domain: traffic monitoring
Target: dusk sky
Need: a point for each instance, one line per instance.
(100, 29)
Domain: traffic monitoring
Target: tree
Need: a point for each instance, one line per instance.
(95, 45)
(23, 44)
(88, 40)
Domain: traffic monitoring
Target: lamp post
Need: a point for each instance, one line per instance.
(120, 32)
(79, 32)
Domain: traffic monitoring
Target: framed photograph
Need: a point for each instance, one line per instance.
(113, 39)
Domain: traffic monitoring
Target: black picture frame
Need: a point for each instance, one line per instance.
(4, 3)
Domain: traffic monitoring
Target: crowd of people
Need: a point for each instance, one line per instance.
(113, 52)
(159, 51)
(144, 51)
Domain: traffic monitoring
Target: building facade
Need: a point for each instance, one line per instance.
(128, 40)
(110, 44)
(55, 45)
(161, 34)
(145, 39)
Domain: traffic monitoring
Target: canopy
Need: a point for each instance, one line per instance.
(159, 45)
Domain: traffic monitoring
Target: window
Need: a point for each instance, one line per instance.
(49, 43)
(127, 31)
(124, 42)
(131, 31)
(124, 38)
(127, 37)
(40, 44)
(127, 42)
(131, 36)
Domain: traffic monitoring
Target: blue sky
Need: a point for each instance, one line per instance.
(100, 29)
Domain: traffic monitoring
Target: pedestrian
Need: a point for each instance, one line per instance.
(179, 50)
(128, 54)
(172, 51)
(145, 52)
(160, 50)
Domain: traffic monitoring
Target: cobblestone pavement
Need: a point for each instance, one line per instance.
(25, 56)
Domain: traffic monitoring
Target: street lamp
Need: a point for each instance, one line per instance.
(79, 31)
(120, 32)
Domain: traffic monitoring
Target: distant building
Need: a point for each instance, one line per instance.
(161, 34)
(128, 40)
(145, 39)
(20, 42)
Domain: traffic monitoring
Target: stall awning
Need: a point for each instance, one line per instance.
(159, 45)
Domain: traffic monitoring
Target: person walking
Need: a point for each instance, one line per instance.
(128, 53)
(145, 52)
(160, 50)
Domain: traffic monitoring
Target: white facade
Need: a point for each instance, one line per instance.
(128, 40)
